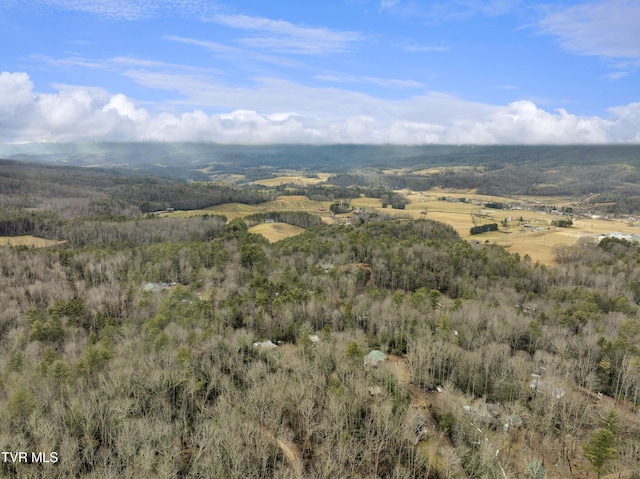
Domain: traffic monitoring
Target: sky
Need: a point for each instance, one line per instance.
(337, 71)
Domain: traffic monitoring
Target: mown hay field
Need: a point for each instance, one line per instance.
(295, 203)
(293, 179)
(276, 231)
(27, 240)
(234, 210)
(281, 203)
(230, 210)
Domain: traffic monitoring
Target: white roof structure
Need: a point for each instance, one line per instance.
(265, 345)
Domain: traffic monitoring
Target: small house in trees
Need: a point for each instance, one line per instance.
(374, 358)
(488, 421)
(514, 420)
(152, 288)
(493, 409)
(547, 388)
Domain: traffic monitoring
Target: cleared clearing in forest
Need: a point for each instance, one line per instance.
(293, 179)
(27, 240)
(276, 231)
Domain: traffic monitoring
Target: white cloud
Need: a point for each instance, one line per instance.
(264, 114)
(466, 9)
(16, 105)
(407, 132)
(126, 109)
(108, 8)
(606, 28)
(616, 75)
(452, 10)
(393, 83)
(73, 61)
(138, 63)
(127, 10)
(385, 4)
(627, 124)
(71, 113)
(16, 92)
(283, 36)
(234, 54)
(414, 47)
(523, 122)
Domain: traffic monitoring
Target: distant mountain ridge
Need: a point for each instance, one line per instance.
(158, 156)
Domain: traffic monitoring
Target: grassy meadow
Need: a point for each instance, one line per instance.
(293, 179)
(27, 240)
(281, 203)
(276, 231)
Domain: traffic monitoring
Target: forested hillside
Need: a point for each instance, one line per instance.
(139, 344)
(133, 355)
(34, 197)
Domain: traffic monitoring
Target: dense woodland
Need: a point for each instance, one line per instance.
(122, 380)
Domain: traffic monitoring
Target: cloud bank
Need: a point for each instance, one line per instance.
(606, 29)
(75, 113)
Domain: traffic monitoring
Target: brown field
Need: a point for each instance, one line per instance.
(227, 178)
(230, 210)
(296, 179)
(295, 203)
(27, 241)
(539, 245)
(432, 171)
(281, 203)
(429, 171)
(366, 202)
(276, 231)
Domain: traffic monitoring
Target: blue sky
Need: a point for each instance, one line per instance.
(338, 71)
